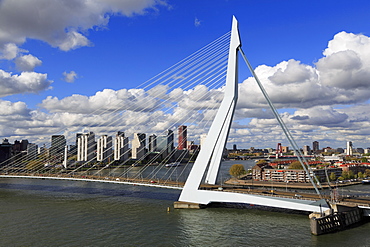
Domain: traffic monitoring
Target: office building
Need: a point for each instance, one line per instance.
(306, 150)
(104, 148)
(165, 143)
(58, 143)
(138, 146)
(315, 146)
(349, 150)
(182, 137)
(86, 147)
(32, 150)
(121, 150)
(5, 151)
(152, 143)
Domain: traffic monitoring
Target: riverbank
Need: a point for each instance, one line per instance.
(253, 183)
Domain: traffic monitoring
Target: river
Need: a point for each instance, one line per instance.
(72, 213)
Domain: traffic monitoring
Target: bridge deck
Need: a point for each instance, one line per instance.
(102, 179)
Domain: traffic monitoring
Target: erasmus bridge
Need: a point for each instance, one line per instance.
(200, 92)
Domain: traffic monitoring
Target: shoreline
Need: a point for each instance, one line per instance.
(276, 184)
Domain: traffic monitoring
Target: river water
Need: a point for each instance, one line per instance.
(71, 213)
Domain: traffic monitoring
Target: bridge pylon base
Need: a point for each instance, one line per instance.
(189, 205)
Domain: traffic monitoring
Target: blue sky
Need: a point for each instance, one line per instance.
(120, 44)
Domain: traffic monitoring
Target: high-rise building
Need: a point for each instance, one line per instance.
(152, 143)
(349, 150)
(5, 151)
(182, 135)
(306, 150)
(138, 146)
(58, 142)
(19, 147)
(315, 146)
(24, 145)
(32, 150)
(86, 147)
(104, 148)
(165, 143)
(121, 150)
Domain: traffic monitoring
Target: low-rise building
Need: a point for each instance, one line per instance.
(265, 172)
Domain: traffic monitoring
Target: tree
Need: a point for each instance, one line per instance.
(295, 165)
(367, 172)
(237, 170)
(332, 176)
(345, 175)
(360, 175)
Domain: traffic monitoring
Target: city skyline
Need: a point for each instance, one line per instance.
(312, 58)
(121, 144)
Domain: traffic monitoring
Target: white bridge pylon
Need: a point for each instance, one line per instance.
(209, 159)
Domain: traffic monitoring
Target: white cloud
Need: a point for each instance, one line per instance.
(26, 82)
(310, 98)
(293, 71)
(321, 116)
(27, 62)
(107, 100)
(347, 62)
(70, 77)
(9, 51)
(9, 109)
(63, 24)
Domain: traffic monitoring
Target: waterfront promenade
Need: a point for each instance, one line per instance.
(290, 185)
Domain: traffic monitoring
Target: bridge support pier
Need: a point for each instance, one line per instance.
(337, 219)
(190, 205)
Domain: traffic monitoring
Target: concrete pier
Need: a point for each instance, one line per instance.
(338, 218)
(190, 205)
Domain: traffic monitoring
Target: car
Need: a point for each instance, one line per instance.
(153, 182)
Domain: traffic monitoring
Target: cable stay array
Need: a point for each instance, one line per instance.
(187, 93)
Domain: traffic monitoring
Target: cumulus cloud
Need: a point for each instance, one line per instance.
(9, 109)
(293, 71)
(305, 91)
(340, 77)
(310, 99)
(346, 62)
(106, 100)
(27, 62)
(201, 97)
(63, 24)
(26, 82)
(9, 51)
(13, 116)
(321, 116)
(70, 77)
